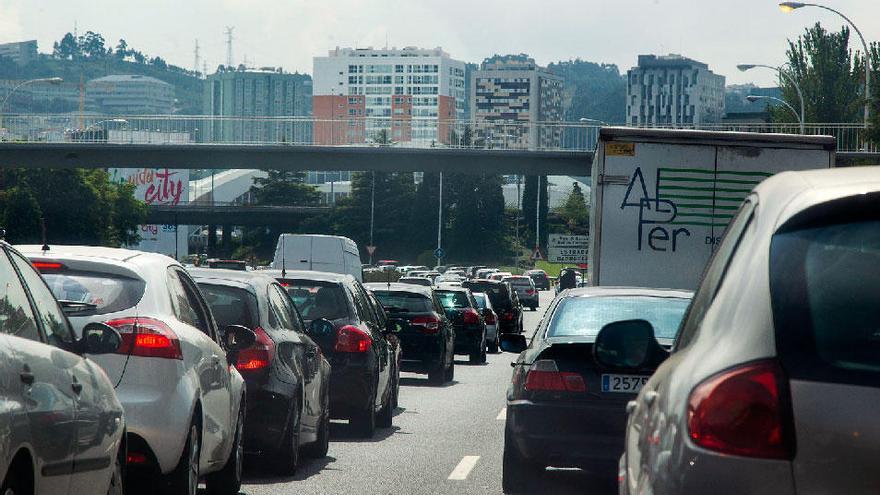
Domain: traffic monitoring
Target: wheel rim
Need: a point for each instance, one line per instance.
(194, 460)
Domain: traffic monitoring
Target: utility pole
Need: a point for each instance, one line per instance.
(372, 212)
(440, 220)
(229, 30)
(538, 217)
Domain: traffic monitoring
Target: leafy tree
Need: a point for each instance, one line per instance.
(92, 45)
(284, 188)
(476, 218)
(122, 49)
(159, 62)
(575, 211)
(68, 48)
(595, 91)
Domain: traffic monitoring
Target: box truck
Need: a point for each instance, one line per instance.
(321, 253)
(661, 198)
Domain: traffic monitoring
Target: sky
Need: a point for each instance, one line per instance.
(289, 33)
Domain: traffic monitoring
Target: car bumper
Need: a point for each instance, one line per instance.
(419, 352)
(469, 339)
(529, 301)
(509, 326)
(268, 410)
(352, 379)
(568, 434)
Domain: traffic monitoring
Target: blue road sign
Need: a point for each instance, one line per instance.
(439, 253)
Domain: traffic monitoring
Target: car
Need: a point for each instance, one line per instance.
(525, 290)
(505, 303)
(472, 270)
(426, 334)
(447, 278)
(180, 425)
(416, 273)
(467, 320)
(392, 333)
(318, 252)
(499, 275)
(484, 273)
(540, 278)
(565, 407)
(491, 320)
(287, 375)
(771, 383)
(416, 281)
(460, 273)
(59, 408)
(361, 357)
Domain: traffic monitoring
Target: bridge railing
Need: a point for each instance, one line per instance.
(399, 131)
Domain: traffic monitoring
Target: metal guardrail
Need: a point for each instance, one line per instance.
(358, 131)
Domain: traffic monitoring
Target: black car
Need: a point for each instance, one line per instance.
(540, 278)
(467, 319)
(565, 408)
(361, 357)
(504, 301)
(426, 333)
(287, 376)
(394, 341)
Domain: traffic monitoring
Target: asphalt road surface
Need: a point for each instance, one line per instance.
(444, 440)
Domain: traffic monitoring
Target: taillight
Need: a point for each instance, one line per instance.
(352, 339)
(530, 292)
(429, 324)
(742, 412)
(543, 375)
(470, 316)
(491, 319)
(258, 356)
(507, 315)
(147, 337)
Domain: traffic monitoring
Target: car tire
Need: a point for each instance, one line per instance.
(516, 471)
(184, 480)
(449, 375)
(437, 372)
(17, 484)
(386, 415)
(493, 346)
(319, 449)
(286, 459)
(364, 421)
(116, 479)
(227, 481)
(395, 392)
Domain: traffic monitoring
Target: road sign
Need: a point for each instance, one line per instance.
(566, 241)
(371, 249)
(536, 255)
(439, 253)
(567, 255)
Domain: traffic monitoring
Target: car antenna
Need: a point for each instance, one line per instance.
(43, 229)
(283, 257)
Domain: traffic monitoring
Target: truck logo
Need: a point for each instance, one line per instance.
(684, 198)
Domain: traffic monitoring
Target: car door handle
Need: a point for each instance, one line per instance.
(651, 396)
(630, 407)
(26, 377)
(77, 387)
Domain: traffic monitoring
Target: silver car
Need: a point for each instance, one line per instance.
(173, 373)
(491, 319)
(773, 382)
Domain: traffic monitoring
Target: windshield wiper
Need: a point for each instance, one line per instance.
(74, 307)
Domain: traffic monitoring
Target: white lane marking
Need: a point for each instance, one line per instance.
(464, 467)
(502, 415)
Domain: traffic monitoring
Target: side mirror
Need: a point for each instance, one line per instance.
(515, 343)
(99, 338)
(393, 326)
(627, 344)
(237, 338)
(321, 328)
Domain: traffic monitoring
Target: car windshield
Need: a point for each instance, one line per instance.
(231, 305)
(585, 316)
(453, 299)
(404, 302)
(109, 293)
(315, 299)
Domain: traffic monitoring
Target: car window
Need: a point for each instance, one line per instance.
(231, 305)
(714, 275)
(480, 300)
(365, 313)
(190, 309)
(48, 311)
(316, 299)
(453, 299)
(825, 288)
(16, 316)
(281, 309)
(109, 293)
(585, 316)
(403, 302)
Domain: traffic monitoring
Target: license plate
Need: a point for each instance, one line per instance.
(629, 384)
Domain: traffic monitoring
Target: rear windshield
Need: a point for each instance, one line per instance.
(497, 293)
(825, 290)
(519, 282)
(404, 302)
(231, 305)
(416, 281)
(453, 299)
(481, 300)
(585, 316)
(316, 299)
(109, 293)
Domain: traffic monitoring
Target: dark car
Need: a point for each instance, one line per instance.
(360, 354)
(540, 278)
(564, 408)
(504, 301)
(467, 320)
(426, 334)
(394, 341)
(287, 376)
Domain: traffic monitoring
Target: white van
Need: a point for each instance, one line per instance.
(321, 253)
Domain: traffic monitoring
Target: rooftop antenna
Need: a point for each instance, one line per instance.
(229, 30)
(196, 57)
(283, 259)
(43, 229)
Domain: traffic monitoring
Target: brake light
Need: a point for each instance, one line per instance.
(507, 315)
(470, 316)
(258, 356)
(47, 265)
(742, 412)
(429, 324)
(136, 458)
(545, 376)
(491, 319)
(147, 337)
(530, 292)
(352, 339)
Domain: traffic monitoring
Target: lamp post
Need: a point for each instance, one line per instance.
(788, 77)
(594, 121)
(791, 6)
(754, 98)
(48, 80)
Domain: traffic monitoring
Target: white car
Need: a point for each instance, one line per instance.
(183, 401)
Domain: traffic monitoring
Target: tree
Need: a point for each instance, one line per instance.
(476, 218)
(284, 188)
(596, 91)
(122, 49)
(575, 211)
(92, 45)
(67, 49)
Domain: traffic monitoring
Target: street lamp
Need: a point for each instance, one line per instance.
(48, 80)
(783, 74)
(790, 6)
(107, 121)
(595, 121)
(754, 98)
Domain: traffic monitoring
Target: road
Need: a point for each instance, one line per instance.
(444, 440)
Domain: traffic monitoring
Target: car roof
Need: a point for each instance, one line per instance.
(94, 252)
(236, 277)
(626, 291)
(453, 288)
(417, 289)
(309, 275)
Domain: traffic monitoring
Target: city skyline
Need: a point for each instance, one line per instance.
(747, 31)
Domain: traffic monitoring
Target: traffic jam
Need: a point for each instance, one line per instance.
(717, 332)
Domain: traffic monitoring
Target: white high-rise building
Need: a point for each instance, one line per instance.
(413, 94)
(673, 90)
